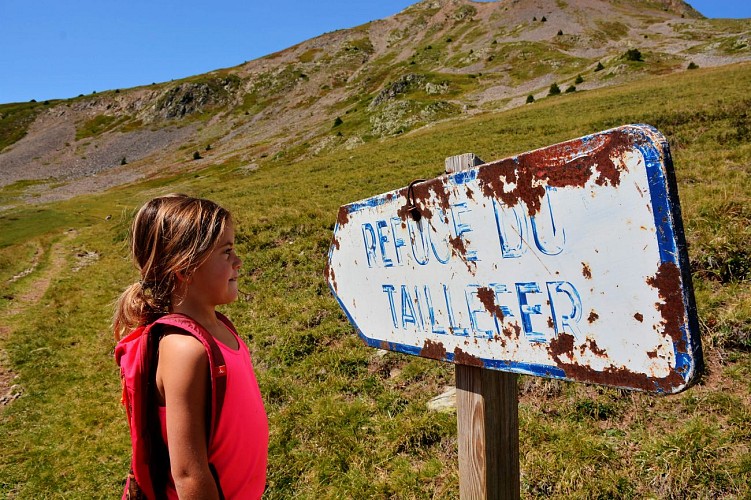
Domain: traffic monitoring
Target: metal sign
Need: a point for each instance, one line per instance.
(566, 262)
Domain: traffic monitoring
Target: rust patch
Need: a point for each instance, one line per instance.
(551, 324)
(343, 217)
(470, 194)
(652, 354)
(487, 297)
(667, 281)
(439, 191)
(330, 276)
(562, 347)
(458, 245)
(569, 164)
(406, 211)
(494, 177)
(586, 271)
(433, 350)
(563, 344)
(383, 345)
(591, 344)
(459, 248)
(463, 358)
(639, 317)
(513, 331)
(593, 316)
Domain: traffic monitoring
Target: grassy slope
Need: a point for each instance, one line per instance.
(347, 422)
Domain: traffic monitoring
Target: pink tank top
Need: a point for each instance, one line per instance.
(239, 448)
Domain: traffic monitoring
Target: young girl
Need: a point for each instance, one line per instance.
(184, 250)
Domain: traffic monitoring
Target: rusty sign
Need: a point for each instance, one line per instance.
(566, 262)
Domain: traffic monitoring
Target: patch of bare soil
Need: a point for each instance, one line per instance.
(9, 389)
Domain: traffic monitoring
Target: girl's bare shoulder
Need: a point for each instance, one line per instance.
(177, 343)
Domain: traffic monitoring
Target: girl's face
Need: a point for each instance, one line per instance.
(215, 281)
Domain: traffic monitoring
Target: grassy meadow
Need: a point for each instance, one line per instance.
(348, 421)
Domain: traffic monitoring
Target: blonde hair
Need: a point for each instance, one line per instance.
(170, 234)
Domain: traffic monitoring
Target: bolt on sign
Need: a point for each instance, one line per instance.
(566, 262)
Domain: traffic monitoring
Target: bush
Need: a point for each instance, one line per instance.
(554, 89)
(570, 89)
(530, 98)
(560, 32)
(599, 67)
(338, 121)
(123, 161)
(692, 65)
(197, 155)
(633, 55)
(544, 19)
(578, 80)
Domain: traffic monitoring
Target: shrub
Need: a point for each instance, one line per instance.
(554, 89)
(692, 65)
(338, 121)
(530, 98)
(544, 19)
(633, 55)
(123, 161)
(599, 67)
(197, 155)
(560, 32)
(578, 80)
(570, 89)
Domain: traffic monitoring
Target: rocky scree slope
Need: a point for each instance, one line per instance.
(436, 60)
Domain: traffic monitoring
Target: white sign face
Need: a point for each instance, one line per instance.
(566, 262)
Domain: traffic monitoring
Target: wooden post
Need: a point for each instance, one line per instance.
(487, 413)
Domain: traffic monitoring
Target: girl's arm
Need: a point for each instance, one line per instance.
(183, 379)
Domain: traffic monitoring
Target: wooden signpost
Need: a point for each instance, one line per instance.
(567, 262)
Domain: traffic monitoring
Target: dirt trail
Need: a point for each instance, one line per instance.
(10, 391)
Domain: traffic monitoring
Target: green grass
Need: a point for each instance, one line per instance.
(15, 119)
(98, 125)
(347, 421)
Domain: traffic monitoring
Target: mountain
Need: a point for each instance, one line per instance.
(435, 60)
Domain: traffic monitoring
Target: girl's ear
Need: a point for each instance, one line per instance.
(183, 277)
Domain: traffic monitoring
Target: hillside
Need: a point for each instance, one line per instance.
(436, 60)
(347, 420)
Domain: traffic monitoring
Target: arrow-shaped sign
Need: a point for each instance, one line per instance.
(566, 262)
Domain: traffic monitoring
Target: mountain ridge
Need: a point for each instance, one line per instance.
(434, 60)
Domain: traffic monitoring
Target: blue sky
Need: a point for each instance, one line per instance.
(51, 49)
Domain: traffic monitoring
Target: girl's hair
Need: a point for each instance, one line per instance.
(170, 234)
